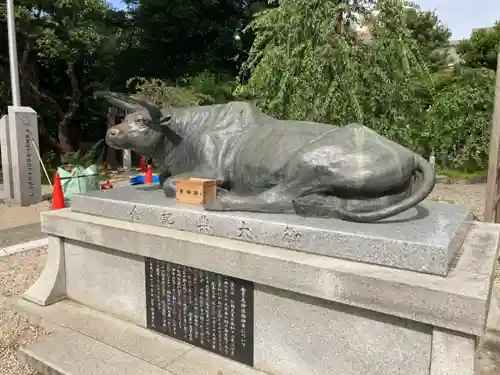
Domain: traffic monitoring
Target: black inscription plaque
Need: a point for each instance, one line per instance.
(205, 309)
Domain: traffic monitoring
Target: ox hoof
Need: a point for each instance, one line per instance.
(169, 192)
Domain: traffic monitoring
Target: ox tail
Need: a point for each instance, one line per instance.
(425, 188)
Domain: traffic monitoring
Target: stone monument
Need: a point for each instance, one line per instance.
(182, 289)
(20, 164)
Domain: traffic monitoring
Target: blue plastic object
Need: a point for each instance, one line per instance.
(139, 180)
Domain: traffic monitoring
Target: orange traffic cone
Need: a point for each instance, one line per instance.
(149, 175)
(57, 194)
(142, 164)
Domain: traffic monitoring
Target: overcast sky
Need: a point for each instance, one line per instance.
(461, 16)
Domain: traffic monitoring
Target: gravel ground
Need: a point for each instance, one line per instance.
(472, 196)
(19, 271)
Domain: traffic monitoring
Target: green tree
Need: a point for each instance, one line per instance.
(481, 49)
(65, 48)
(309, 62)
(202, 89)
(179, 38)
(460, 119)
(431, 35)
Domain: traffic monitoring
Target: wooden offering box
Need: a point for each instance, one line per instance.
(195, 191)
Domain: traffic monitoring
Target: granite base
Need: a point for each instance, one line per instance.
(313, 314)
(424, 239)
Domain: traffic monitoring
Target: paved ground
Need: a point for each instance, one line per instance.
(13, 216)
(19, 271)
(20, 234)
(22, 224)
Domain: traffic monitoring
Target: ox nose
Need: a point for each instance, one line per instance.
(113, 132)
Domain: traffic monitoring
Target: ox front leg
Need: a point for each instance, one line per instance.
(169, 183)
(275, 200)
(163, 176)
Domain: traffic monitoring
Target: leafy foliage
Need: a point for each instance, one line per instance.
(380, 83)
(431, 35)
(187, 36)
(84, 158)
(481, 50)
(205, 88)
(162, 94)
(61, 45)
(381, 63)
(393, 81)
(460, 120)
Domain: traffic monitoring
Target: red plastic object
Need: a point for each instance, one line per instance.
(106, 185)
(142, 164)
(57, 194)
(149, 175)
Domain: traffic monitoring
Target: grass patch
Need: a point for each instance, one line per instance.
(461, 175)
(445, 200)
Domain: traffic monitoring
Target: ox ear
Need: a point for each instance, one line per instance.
(118, 100)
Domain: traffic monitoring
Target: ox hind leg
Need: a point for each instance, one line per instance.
(310, 202)
(278, 199)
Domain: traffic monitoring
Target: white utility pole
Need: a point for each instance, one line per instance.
(14, 70)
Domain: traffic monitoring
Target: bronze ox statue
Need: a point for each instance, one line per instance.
(262, 164)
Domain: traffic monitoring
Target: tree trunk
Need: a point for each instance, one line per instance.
(64, 141)
(66, 117)
(33, 93)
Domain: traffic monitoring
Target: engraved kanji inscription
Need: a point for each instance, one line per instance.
(166, 218)
(204, 225)
(244, 231)
(291, 236)
(206, 309)
(134, 215)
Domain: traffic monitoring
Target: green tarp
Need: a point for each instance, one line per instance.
(76, 179)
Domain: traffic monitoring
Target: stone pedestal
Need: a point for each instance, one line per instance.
(20, 164)
(425, 239)
(280, 294)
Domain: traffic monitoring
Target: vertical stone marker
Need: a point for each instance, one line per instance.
(26, 178)
(8, 184)
(127, 160)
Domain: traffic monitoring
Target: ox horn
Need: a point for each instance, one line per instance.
(117, 100)
(152, 108)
